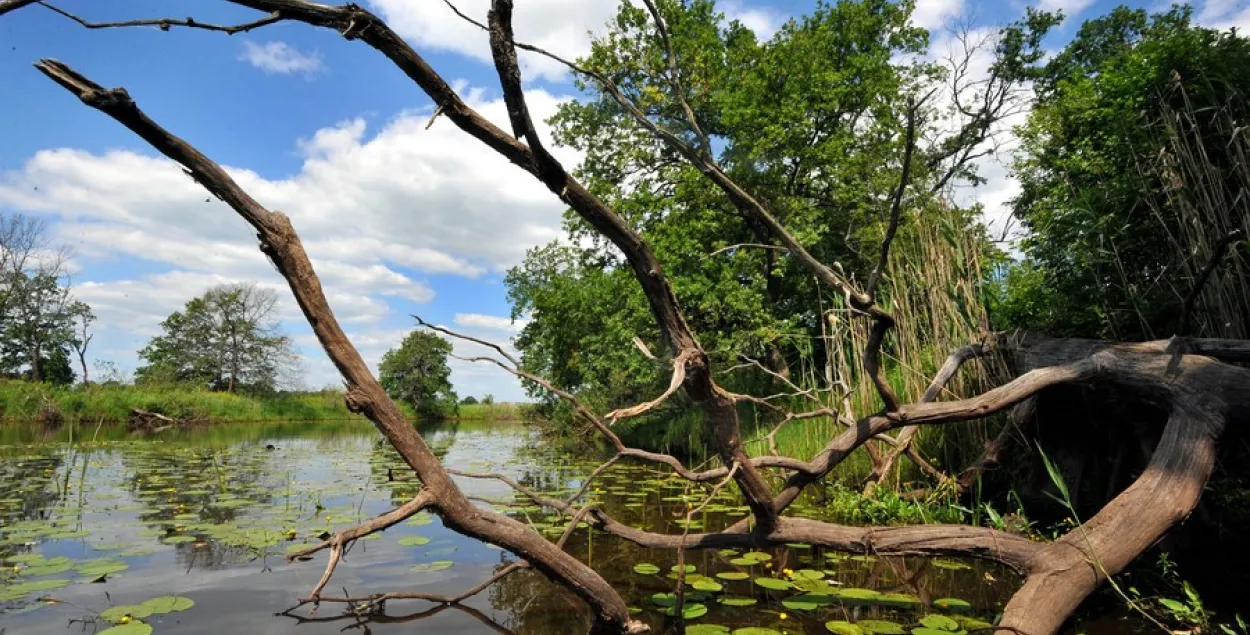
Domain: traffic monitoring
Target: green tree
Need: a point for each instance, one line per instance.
(416, 373)
(1132, 169)
(227, 339)
(813, 121)
(38, 325)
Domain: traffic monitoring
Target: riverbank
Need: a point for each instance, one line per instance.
(25, 402)
(45, 405)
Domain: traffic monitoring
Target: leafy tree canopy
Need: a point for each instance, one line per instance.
(1130, 168)
(812, 121)
(416, 373)
(227, 339)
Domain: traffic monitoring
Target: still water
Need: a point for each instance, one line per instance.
(187, 534)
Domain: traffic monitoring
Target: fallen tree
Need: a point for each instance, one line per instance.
(1192, 382)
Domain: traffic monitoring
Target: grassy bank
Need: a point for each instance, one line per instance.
(30, 403)
(492, 412)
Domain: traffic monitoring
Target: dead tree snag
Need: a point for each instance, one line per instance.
(1201, 391)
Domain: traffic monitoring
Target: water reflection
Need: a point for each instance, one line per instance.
(210, 518)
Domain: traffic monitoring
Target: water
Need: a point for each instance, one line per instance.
(209, 517)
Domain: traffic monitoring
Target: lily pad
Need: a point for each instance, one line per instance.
(733, 575)
(116, 613)
(168, 604)
(707, 585)
(429, 567)
(737, 601)
(808, 574)
(413, 541)
(954, 605)
(881, 627)
(688, 568)
(898, 600)
(37, 585)
(939, 622)
(97, 569)
(755, 630)
(46, 569)
(773, 583)
(689, 610)
(707, 629)
(843, 627)
(806, 602)
(646, 568)
(130, 628)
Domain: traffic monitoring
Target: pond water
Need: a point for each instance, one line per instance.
(187, 534)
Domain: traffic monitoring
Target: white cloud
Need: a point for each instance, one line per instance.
(280, 58)
(932, 14)
(559, 26)
(489, 322)
(563, 27)
(375, 214)
(764, 21)
(1225, 14)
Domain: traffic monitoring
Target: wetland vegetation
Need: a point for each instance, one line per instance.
(789, 383)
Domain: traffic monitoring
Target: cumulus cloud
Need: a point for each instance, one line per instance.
(377, 212)
(1225, 14)
(933, 14)
(280, 58)
(559, 26)
(488, 322)
(764, 21)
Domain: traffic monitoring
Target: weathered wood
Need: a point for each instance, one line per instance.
(1201, 394)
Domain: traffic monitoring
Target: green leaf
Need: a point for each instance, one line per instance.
(430, 567)
(646, 568)
(881, 627)
(955, 605)
(168, 604)
(708, 586)
(736, 601)
(413, 541)
(807, 602)
(939, 622)
(133, 628)
(842, 627)
(689, 610)
(116, 613)
(733, 575)
(773, 583)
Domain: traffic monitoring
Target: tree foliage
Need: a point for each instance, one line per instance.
(38, 311)
(812, 121)
(226, 339)
(1131, 167)
(416, 373)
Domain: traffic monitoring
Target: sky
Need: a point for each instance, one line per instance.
(400, 217)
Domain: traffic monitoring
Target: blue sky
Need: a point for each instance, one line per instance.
(398, 219)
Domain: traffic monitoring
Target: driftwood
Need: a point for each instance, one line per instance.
(146, 422)
(1189, 381)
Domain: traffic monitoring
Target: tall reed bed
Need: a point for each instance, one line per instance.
(933, 288)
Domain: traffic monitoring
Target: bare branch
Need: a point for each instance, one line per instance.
(679, 376)
(13, 5)
(164, 24)
(896, 207)
(741, 245)
(342, 540)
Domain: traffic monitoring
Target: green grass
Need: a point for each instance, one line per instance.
(491, 412)
(21, 402)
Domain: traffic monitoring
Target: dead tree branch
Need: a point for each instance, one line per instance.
(281, 244)
(165, 24)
